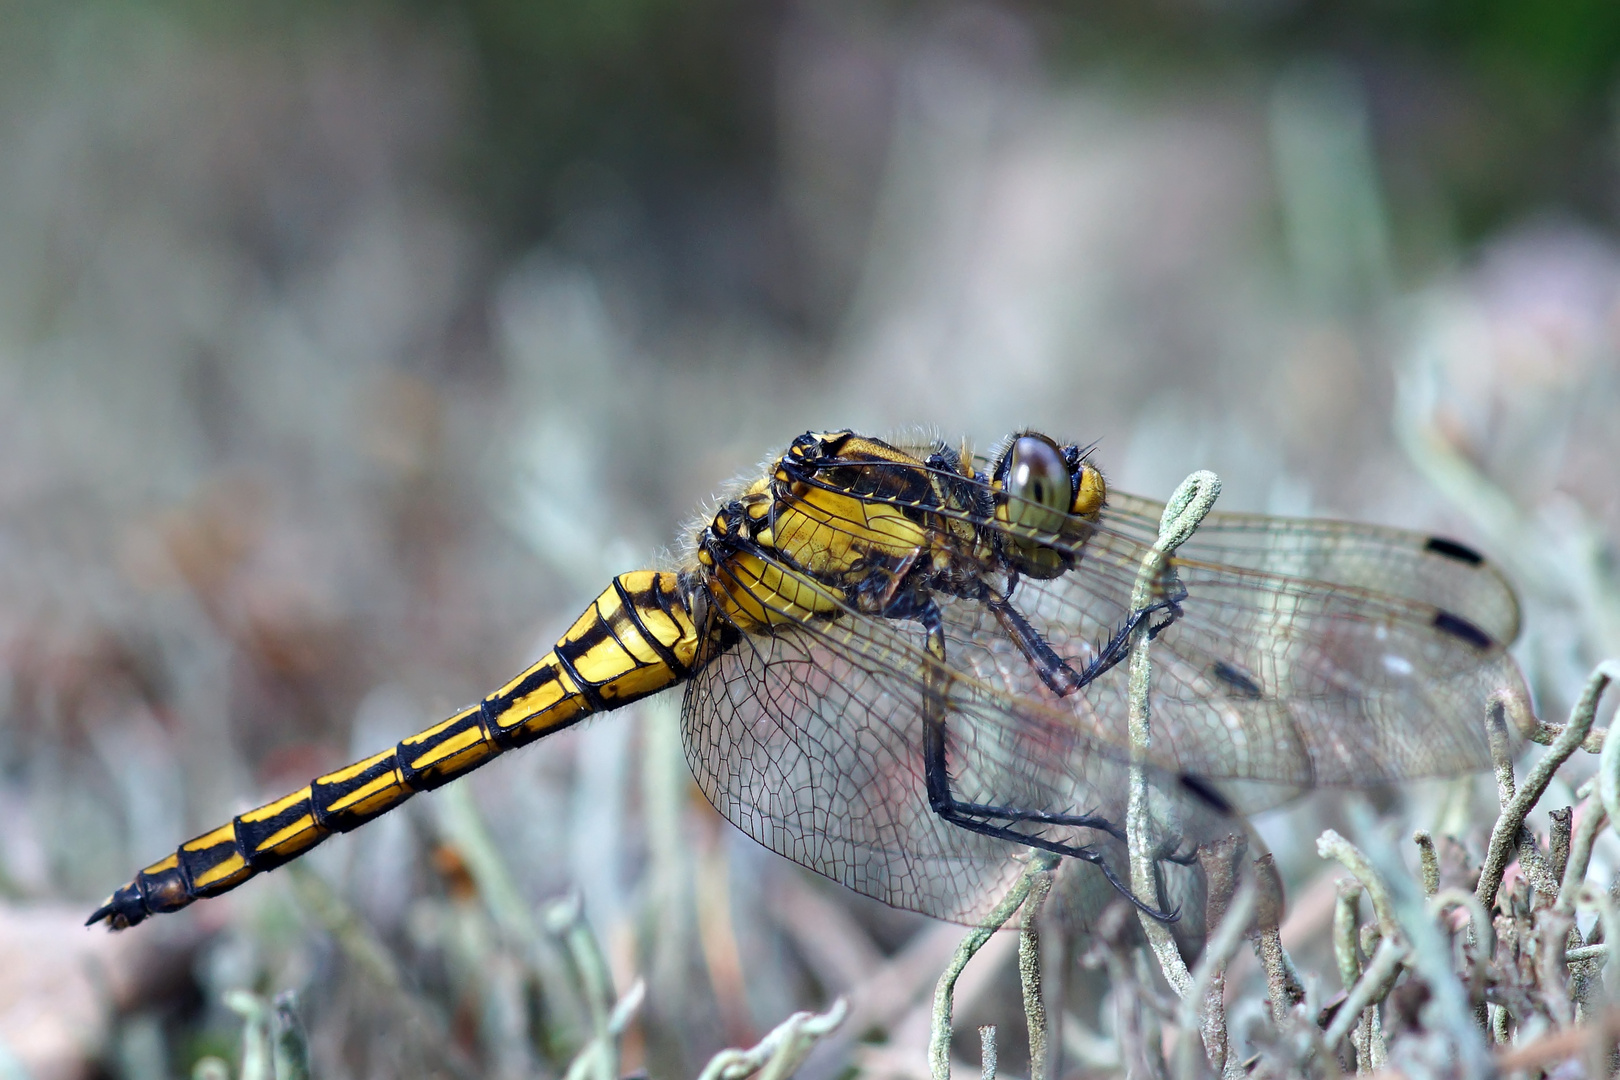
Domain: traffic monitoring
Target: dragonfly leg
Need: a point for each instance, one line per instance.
(1042, 817)
(1062, 679)
(1118, 646)
(971, 816)
(1056, 672)
(1073, 851)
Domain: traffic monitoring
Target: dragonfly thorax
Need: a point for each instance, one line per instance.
(841, 522)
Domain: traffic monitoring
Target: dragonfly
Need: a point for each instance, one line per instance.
(903, 670)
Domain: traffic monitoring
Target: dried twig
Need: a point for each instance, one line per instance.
(1535, 864)
(1224, 913)
(1204, 1009)
(1029, 981)
(1593, 818)
(1283, 986)
(1560, 829)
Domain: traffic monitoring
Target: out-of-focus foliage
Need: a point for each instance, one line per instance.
(1482, 110)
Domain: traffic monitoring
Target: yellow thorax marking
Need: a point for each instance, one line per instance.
(757, 595)
(827, 532)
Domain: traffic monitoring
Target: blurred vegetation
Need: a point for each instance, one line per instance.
(1492, 109)
(1483, 111)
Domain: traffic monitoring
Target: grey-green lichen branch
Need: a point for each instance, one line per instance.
(1525, 983)
(1184, 512)
(1374, 982)
(598, 1059)
(1517, 802)
(1029, 980)
(778, 1054)
(939, 1040)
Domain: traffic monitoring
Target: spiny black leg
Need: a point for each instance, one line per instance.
(1088, 854)
(1054, 671)
(1118, 646)
(1062, 679)
(936, 779)
(1040, 817)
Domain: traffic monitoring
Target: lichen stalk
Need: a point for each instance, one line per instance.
(1182, 515)
(1430, 861)
(1029, 977)
(1505, 834)
(939, 1041)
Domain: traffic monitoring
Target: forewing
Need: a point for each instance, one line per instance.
(1432, 571)
(1307, 653)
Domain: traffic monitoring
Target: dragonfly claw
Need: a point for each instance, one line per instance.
(1124, 890)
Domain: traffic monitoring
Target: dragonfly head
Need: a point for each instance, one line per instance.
(1039, 488)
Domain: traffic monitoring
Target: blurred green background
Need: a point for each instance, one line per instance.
(346, 351)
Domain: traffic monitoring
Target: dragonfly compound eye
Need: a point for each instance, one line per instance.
(1037, 485)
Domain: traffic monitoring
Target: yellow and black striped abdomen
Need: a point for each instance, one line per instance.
(636, 639)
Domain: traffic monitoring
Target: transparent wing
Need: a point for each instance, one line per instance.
(1308, 653)
(811, 741)
(1397, 564)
